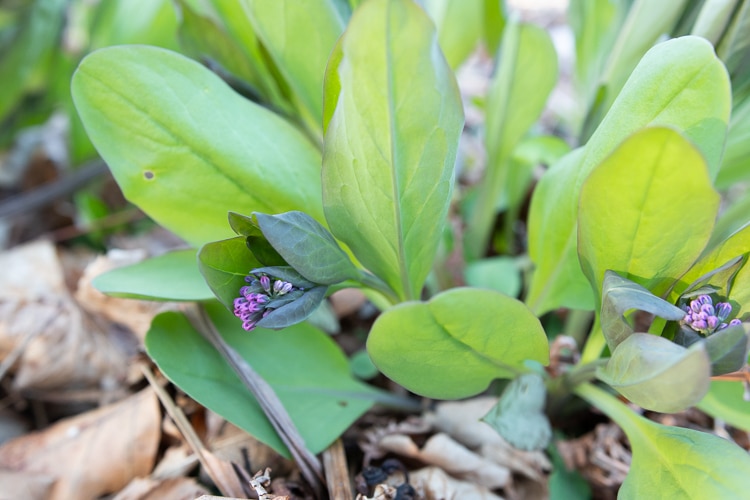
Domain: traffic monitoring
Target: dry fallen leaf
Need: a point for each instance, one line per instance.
(52, 343)
(442, 451)
(435, 484)
(461, 420)
(93, 453)
(178, 488)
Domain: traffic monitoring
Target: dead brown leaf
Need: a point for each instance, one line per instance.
(435, 484)
(48, 339)
(91, 454)
(178, 488)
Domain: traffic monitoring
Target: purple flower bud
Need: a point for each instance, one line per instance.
(265, 282)
(723, 310)
(712, 322)
(699, 325)
(282, 287)
(708, 309)
(734, 322)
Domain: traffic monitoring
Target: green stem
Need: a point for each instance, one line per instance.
(372, 281)
(595, 344)
(577, 325)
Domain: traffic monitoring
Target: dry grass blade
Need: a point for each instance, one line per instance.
(267, 399)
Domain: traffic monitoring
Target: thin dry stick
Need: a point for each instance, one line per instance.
(337, 472)
(265, 395)
(178, 417)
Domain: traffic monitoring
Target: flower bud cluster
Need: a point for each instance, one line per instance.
(255, 300)
(705, 318)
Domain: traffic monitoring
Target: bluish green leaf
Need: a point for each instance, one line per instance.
(679, 84)
(224, 265)
(295, 311)
(675, 462)
(308, 247)
(185, 148)
(657, 374)
(647, 211)
(454, 345)
(519, 414)
(391, 143)
(524, 77)
(620, 295)
(172, 276)
(303, 365)
(735, 164)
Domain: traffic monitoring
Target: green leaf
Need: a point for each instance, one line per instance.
(299, 36)
(391, 144)
(736, 245)
(38, 33)
(496, 273)
(185, 148)
(679, 84)
(308, 247)
(459, 26)
(172, 276)
(620, 295)
(644, 24)
(519, 414)
(726, 400)
(303, 365)
(735, 166)
(454, 345)
(675, 462)
(557, 280)
(121, 22)
(295, 311)
(224, 265)
(647, 211)
(257, 243)
(524, 77)
(657, 374)
(494, 24)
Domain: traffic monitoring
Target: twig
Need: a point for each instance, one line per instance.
(267, 399)
(337, 472)
(178, 417)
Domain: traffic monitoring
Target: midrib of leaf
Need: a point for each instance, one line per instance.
(408, 293)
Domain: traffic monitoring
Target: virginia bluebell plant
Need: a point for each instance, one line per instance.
(258, 299)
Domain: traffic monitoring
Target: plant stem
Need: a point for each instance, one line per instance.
(577, 325)
(595, 343)
(372, 281)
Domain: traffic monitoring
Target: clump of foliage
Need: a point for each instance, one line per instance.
(334, 156)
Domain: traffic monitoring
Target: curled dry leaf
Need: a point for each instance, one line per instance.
(435, 484)
(461, 420)
(93, 453)
(443, 451)
(44, 334)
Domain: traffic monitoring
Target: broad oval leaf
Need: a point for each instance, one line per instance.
(308, 247)
(172, 276)
(675, 462)
(185, 147)
(647, 211)
(620, 295)
(224, 265)
(680, 84)
(657, 374)
(315, 384)
(391, 142)
(454, 345)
